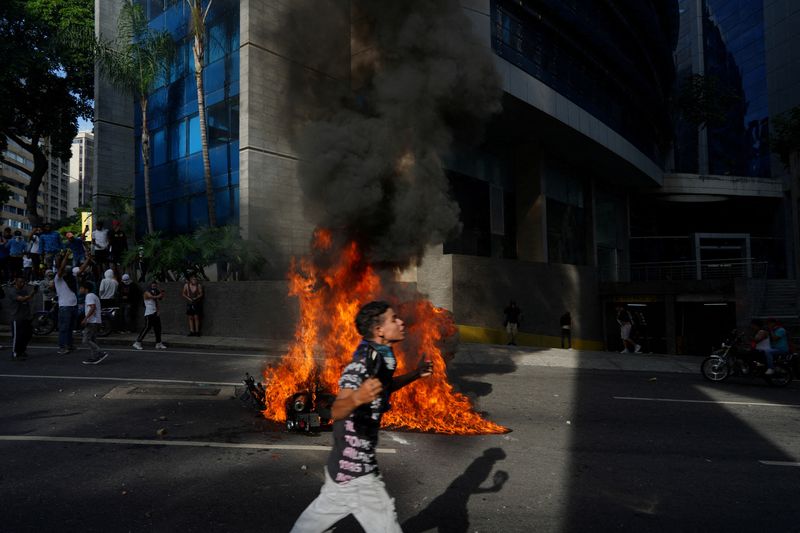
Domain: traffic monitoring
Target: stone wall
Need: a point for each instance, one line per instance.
(483, 286)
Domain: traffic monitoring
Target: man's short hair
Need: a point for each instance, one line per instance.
(369, 316)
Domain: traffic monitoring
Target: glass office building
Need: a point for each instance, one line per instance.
(725, 43)
(176, 175)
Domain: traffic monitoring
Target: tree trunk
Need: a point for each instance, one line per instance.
(146, 165)
(199, 52)
(40, 166)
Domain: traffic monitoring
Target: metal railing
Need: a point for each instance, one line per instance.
(690, 270)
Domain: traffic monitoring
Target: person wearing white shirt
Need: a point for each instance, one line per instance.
(65, 283)
(91, 322)
(101, 244)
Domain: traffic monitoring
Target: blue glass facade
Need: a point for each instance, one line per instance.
(613, 62)
(733, 55)
(176, 174)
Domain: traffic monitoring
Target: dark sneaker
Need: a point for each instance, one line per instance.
(95, 360)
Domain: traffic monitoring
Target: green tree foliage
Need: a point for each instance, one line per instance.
(134, 62)
(785, 137)
(173, 258)
(45, 83)
(705, 101)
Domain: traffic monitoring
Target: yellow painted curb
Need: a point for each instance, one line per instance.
(482, 335)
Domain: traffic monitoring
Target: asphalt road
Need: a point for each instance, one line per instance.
(157, 441)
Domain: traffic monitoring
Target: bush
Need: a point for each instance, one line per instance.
(175, 258)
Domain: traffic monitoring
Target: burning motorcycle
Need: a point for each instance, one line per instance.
(735, 358)
(305, 411)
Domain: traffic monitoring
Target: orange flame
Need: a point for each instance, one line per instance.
(329, 300)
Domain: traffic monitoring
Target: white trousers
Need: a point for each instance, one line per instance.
(364, 497)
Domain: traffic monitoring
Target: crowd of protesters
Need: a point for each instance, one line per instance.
(82, 277)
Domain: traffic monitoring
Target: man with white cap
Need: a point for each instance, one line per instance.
(66, 285)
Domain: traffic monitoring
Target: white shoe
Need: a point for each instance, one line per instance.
(638, 349)
(769, 372)
(625, 351)
(161, 346)
(138, 345)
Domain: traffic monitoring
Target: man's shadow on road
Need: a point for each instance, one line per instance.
(447, 513)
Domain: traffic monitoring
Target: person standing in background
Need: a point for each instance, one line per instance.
(119, 243)
(21, 295)
(193, 294)
(34, 250)
(513, 316)
(101, 245)
(16, 249)
(50, 246)
(129, 297)
(566, 330)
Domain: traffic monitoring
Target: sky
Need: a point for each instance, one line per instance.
(84, 125)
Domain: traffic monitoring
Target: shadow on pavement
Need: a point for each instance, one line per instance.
(448, 511)
(644, 464)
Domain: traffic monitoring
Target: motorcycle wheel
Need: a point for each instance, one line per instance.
(105, 328)
(781, 378)
(43, 325)
(715, 369)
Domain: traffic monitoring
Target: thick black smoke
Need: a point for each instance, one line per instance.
(371, 145)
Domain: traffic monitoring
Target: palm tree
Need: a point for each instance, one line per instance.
(135, 62)
(198, 33)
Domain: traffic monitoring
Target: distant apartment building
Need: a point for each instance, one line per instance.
(81, 175)
(53, 192)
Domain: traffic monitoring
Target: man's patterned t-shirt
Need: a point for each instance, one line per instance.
(356, 437)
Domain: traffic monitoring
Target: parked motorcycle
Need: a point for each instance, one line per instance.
(46, 321)
(735, 358)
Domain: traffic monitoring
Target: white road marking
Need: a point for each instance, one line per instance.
(201, 444)
(719, 402)
(396, 438)
(779, 463)
(113, 348)
(128, 380)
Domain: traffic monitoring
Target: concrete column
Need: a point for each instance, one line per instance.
(531, 205)
(114, 158)
(670, 329)
(590, 225)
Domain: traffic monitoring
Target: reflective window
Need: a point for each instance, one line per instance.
(177, 140)
(178, 190)
(223, 121)
(194, 134)
(159, 141)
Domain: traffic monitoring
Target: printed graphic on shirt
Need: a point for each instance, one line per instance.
(356, 437)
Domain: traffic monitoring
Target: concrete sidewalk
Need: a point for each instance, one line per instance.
(468, 354)
(484, 354)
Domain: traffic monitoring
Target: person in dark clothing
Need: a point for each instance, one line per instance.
(129, 297)
(21, 295)
(566, 329)
(353, 483)
(119, 242)
(513, 316)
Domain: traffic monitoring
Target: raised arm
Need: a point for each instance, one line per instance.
(424, 369)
